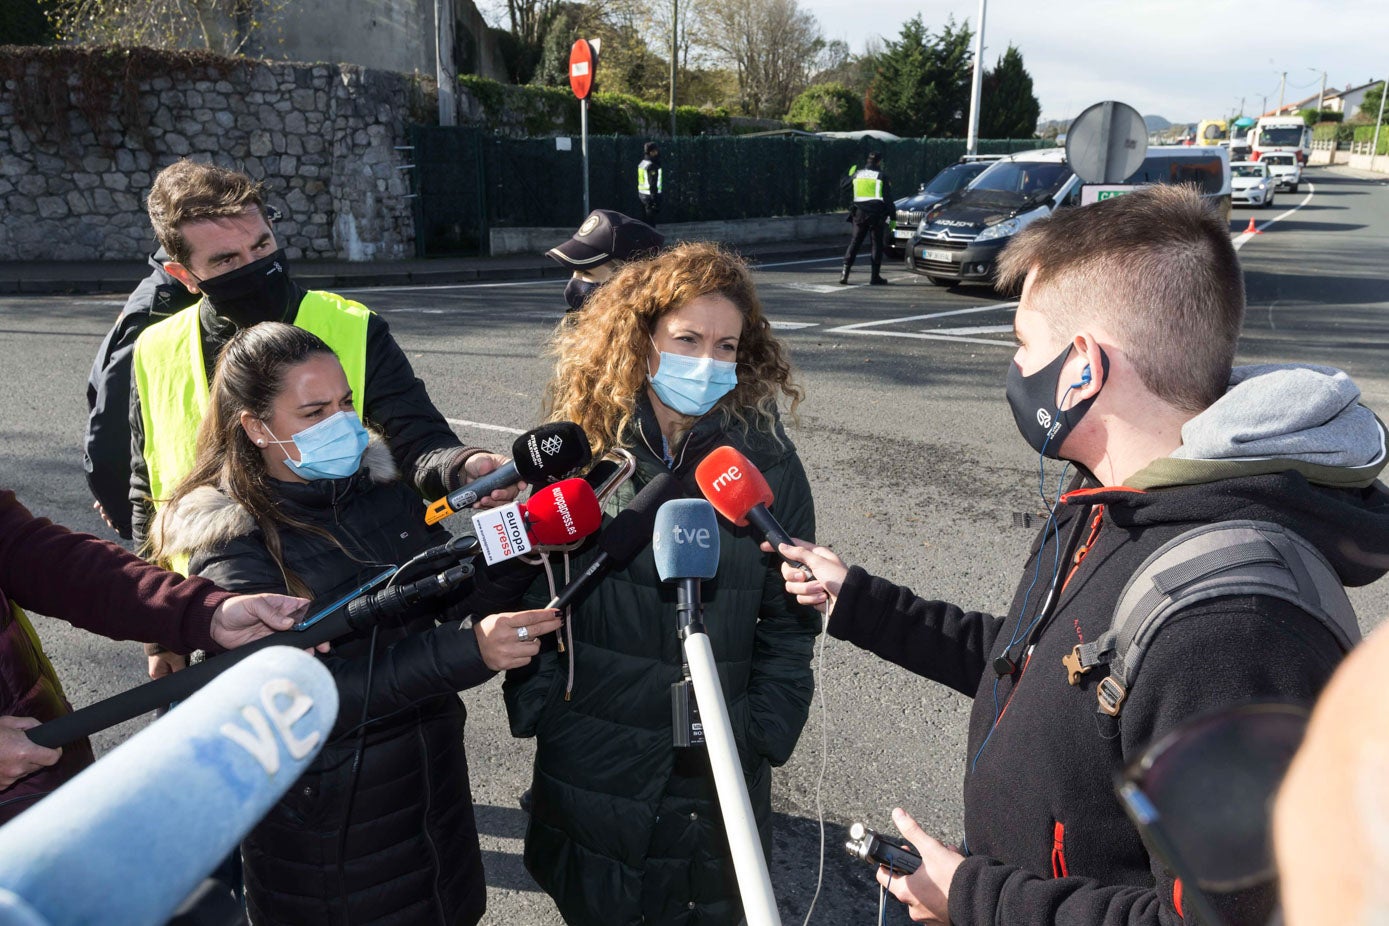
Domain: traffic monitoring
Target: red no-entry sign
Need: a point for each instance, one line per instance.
(583, 61)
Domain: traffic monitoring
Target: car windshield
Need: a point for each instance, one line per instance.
(1022, 179)
(1278, 160)
(954, 177)
(1290, 136)
(1246, 170)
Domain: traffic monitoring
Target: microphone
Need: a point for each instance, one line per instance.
(553, 516)
(739, 491)
(540, 457)
(624, 537)
(129, 838)
(358, 614)
(685, 541)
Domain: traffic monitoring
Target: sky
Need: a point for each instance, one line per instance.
(1186, 60)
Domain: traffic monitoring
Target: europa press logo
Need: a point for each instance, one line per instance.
(551, 445)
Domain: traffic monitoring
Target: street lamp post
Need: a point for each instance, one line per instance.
(972, 138)
(1379, 120)
(674, 50)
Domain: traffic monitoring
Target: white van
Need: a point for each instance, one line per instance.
(959, 239)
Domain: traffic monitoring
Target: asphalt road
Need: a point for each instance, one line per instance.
(916, 464)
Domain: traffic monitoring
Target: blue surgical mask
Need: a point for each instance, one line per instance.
(331, 449)
(692, 385)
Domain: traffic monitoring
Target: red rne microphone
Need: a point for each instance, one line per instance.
(739, 492)
(554, 515)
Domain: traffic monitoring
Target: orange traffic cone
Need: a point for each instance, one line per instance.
(1252, 229)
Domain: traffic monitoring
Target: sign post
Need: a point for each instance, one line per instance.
(583, 61)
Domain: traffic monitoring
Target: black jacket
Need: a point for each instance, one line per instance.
(872, 211)
(424, 446)
(625, 828)
(106, 448)
(1048, 841)
(411, 853)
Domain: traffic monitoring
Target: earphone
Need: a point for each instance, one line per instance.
(1084, 378)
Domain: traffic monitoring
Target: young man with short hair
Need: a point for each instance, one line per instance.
(1126, 331)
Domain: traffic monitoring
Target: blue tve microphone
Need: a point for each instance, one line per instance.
(685, 542)
(133, 835)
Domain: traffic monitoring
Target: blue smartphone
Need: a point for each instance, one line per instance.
(319, 613)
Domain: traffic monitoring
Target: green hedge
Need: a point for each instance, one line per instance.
(1365, 133)
(541, 111)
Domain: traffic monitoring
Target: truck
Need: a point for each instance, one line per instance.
(1281, 135)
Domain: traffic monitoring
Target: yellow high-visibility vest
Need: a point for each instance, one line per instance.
(868, 185)
(644, 180)
(172, 380)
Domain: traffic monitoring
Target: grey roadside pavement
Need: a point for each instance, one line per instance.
(122, 276)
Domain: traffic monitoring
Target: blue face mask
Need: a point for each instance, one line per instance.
(330, 449)
(692, 385)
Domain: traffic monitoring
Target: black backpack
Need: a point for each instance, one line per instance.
(1217, 560)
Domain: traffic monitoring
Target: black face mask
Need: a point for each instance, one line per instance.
(576, 291)
(1033, 401)
(258, 292)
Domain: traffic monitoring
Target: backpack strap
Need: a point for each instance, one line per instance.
(1213, 561)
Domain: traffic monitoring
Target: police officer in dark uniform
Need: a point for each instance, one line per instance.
(869, 214)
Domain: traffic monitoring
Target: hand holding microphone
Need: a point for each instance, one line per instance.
(539, 457)
(813, 574)
(510, 640)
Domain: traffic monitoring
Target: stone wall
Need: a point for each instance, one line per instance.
(84, 131)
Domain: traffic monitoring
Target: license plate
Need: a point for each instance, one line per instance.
(947, 256)
(902, 233)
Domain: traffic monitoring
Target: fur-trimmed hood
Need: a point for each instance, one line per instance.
(208, 517)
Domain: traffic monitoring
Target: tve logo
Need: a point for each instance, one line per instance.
(277, 712)
(724, 479)
(700, 536)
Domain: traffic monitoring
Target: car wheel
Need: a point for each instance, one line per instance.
(941, 281)
(1268, 202)
(1293, 188)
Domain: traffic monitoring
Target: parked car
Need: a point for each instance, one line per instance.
(959, 239)
(1287, 172)
(1252, 182)
(910, 209)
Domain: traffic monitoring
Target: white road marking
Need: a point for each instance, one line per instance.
(1245, 236)
(980, 329)
(463, 423)
(449, 286)
(942, 334)
(821, 288)
(793, 263)
(794, 326)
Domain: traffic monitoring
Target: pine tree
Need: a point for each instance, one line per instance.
(922, 84)
(1008, 107)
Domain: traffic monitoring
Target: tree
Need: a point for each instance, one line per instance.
(222, 26)
(838, 66)
(1369, 107)
(827, 108)
(1008, 107)
(22, 23)
(771, 45)
(922, 84)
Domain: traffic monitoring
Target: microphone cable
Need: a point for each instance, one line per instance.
(824, 751)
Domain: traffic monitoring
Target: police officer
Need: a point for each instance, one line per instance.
(650, 184)
(604, 242)
(869, 214)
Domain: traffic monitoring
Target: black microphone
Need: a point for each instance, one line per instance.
(357, 614)
(625, 536)
(540, 456)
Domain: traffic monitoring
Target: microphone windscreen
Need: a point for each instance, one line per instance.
(550, 452)
(130, 837)
(630, 531)
(562, 513)
(732, 484)
(685, 540)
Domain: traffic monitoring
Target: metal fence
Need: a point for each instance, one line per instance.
(469, 182)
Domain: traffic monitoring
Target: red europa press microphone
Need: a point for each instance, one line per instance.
(554, 515)
(739, 492)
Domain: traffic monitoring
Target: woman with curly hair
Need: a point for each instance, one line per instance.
(672, 358)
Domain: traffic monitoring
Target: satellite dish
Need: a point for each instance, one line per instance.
(1107, 142)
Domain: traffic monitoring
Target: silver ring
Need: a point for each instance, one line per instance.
(523, 634)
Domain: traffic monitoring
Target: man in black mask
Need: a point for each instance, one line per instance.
(1127, 326)
(604, 242)
(212, 224)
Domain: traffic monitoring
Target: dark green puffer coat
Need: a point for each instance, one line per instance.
(625, 828)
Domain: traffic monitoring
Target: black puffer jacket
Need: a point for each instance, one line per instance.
(425, 449)
(411, 852)
(625, 828)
